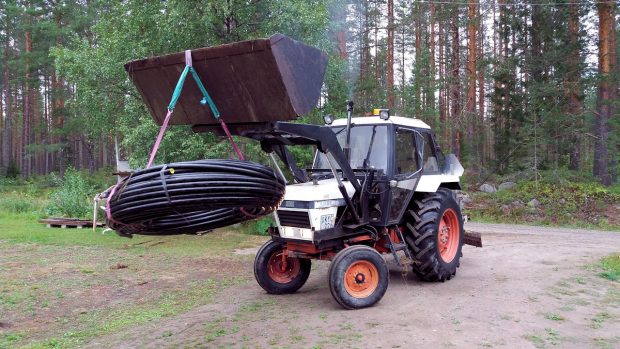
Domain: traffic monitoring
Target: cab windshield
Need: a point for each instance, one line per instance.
(368, 147)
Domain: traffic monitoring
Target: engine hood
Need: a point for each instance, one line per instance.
(326, 189)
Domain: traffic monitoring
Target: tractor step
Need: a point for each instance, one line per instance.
(399, 246)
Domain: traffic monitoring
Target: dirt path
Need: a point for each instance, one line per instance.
(528, 287)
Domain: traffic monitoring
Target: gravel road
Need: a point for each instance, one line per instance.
(528, 287)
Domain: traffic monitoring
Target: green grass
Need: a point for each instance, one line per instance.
(599, 319)
(88, 258)
(56, 272)
(611, 267)
(110, 320)
(554, 317)
(24, 228)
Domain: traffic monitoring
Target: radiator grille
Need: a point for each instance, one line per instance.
(299, 219)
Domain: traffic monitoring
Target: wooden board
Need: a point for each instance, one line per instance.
(69, 223)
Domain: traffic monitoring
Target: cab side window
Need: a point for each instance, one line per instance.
(429, 158)
(406, 160)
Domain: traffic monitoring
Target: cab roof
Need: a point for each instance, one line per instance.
(374, 120)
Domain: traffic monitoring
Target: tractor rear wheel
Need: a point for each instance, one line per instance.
(358, 277)
(278, 275)
(435, 235)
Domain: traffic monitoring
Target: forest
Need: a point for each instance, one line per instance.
(508, 86)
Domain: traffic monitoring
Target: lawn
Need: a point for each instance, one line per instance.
(61, 287)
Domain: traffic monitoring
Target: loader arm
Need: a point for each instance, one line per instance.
(273, 135)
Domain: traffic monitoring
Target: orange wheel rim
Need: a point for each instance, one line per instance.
(280, 272)
(448, 235)
(361, 279)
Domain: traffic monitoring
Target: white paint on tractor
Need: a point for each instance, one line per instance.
(375, 120)
(326, 189)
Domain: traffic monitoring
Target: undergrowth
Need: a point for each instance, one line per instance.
(71, 196)
(562, 200)
(258, 226)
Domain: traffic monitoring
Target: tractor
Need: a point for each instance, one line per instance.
(378, 185)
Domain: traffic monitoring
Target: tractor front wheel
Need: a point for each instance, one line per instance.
(358, 277)
(435, 235)
(277, 274)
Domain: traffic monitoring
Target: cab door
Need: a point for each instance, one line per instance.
(408, 145)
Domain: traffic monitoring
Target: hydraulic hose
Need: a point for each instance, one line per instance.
(191, 197)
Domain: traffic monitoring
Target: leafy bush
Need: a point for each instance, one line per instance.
(72, 196)
(258, 226)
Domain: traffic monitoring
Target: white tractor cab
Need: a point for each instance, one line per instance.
(378, 185)
(371, 140)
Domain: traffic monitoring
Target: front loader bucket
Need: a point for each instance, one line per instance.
(250, 81)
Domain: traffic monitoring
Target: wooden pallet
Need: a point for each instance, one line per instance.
(69, 223)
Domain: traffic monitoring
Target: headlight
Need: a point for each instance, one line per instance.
(313, 204)
(329, 203)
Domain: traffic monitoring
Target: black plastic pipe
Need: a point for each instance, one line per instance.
(194, 196)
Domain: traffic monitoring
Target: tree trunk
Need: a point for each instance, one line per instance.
(390, 54)
(606, 91)
(455, 85)
(402, 67)
(7, 139)
(376, 58)
(482, 129)
(432, 60)
(340, 18)
(363, 19)
(58, 105)
(442, 91)
(1, 125)
(418, 65)
(573, 87)
(470, 106)
(28, 123)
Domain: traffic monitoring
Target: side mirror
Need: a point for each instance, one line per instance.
(329, 118)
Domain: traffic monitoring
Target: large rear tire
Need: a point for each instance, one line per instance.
(273, 275)
(435, 235)
(358, 277)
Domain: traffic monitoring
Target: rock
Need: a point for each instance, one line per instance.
(562, 201)
(517, 203)
(464, 198)
(506, 185)
(487, 188)
(505, 209)
(533, 203)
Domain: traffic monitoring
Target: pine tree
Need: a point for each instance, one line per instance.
(606, 92)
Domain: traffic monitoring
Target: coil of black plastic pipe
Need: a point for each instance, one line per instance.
(193, 196)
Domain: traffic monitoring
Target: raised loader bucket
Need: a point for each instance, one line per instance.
(250, 81)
